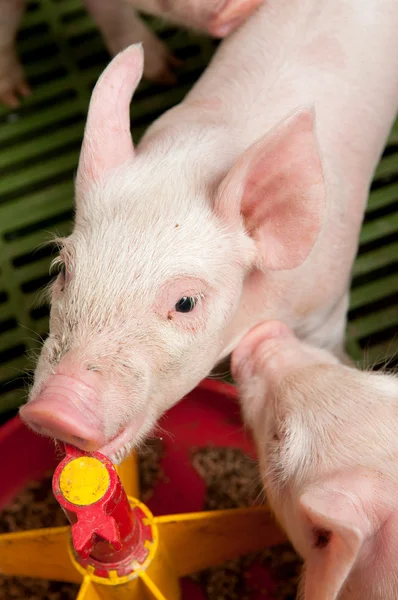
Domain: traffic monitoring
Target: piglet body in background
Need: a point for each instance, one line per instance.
(328, 449)
(241, 204)
(121, 26)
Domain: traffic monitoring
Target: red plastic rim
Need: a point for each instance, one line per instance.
(27, 456)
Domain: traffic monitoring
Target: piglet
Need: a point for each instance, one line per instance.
(327, 442)
(241, 204)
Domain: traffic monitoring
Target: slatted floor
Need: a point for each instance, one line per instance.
(63, 54)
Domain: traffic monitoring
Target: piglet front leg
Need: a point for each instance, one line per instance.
(121, 26)
(12, 79)
(218, 18)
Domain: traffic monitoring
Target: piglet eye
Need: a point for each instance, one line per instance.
(186, 304)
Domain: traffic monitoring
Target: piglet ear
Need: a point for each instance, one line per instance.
(107, 139)
(278, 188)
(336, 530)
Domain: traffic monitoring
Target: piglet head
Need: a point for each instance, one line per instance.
(152, 274)
(326, 435)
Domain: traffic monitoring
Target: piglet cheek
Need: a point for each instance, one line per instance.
(254, 406)
(254, 360)
(242, 368)
(255, 342)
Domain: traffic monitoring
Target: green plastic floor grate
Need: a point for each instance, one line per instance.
(63, 54)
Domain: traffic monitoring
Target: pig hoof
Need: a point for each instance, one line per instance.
(234, 13)
(11, 97)
(13, 85)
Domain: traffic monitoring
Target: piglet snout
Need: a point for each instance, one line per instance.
(67, 409)
(260, 340)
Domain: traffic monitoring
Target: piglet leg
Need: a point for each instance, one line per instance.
(216, 17)
(121, 26)
(12, 80)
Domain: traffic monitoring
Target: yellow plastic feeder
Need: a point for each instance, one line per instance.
(115, 547)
